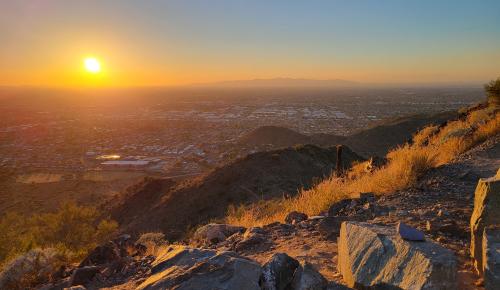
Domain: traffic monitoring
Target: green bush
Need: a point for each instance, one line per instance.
(73, 231)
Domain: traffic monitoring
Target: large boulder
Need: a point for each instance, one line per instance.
(491, 257)
(307, 278)
(373, 256)
(103, 254)
(84, 275)
(185, 268)
(486, 212)
(215, 233)
(278, 272)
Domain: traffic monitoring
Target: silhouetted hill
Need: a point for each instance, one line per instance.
(261, 175)
(374, 141)
(379, 139)
(284, 137)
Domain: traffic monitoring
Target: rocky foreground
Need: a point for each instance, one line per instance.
(418, 238)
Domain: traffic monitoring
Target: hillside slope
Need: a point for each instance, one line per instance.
(443, 199)
(374, 141)
(379, 139)
(258, 176)
(284, 137)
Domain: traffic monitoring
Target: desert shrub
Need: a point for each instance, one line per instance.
(432, 146)
(153, 241)
(489, 128)
(359, 169)
(30, 269)
(493, 91)
(73, 231)
(423, 136)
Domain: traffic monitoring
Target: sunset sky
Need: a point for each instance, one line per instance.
(181, 42)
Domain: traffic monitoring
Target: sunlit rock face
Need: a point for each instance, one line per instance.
(486, 213)
(376, 256)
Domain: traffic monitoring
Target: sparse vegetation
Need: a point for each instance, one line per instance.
(493, 91)
(31, 268)
(431, 147)
(153, 241)
(71, 231)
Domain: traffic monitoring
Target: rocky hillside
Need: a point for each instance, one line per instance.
(417, 238)
(173, 209)
(374, 141)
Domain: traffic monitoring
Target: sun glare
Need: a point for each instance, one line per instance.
(92, 65)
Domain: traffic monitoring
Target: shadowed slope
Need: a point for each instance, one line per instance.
(258, 176)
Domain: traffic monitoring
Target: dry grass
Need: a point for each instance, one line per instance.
(432, 147)
(154, 242)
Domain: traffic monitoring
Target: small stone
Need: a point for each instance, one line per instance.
(408, 233)
(441, 239)
(428, 226)
(339, 207)
(295, 217)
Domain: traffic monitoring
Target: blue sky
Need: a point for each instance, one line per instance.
(171, 42)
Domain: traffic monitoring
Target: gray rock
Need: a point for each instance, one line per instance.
(295, 217)
(486, 212)
(185, 268)
(408, 233)
(339, 207)
(307, 278)
(278, 272)
(375, 256)
(78, 287)
(491, 257)
(252, 237)
(367, 197)
(103, 254)
(215, 233)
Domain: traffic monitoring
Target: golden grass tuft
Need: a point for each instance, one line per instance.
(432, 147)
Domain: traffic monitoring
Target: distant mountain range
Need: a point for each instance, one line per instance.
(283, 82)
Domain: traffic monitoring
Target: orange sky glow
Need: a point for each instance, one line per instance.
(180, 42)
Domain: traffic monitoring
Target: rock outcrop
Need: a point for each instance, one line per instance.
(486, 212)
(215, 233)
(278, 272)
(185, 268)
(307, 278)
(375, 256)
(491, 257)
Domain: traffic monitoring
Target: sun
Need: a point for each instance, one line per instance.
(92, 65)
